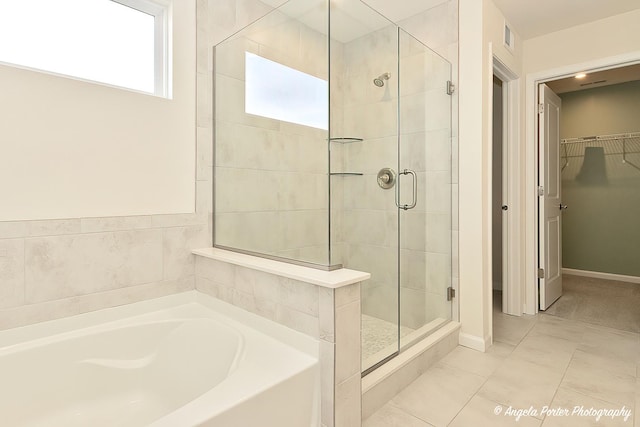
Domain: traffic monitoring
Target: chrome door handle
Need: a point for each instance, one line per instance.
(563, 207)
(415, 190)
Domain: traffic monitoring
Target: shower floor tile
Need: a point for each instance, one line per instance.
(379, 335)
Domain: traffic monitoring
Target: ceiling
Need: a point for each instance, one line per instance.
(532, 18)
(597, 79)
(351, 19)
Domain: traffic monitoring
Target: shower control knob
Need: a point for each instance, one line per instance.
(386, 178)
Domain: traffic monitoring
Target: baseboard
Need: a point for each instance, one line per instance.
(599, 275)
(474, 342)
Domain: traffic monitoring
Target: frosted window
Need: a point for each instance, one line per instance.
(99, 40)
(282, 93)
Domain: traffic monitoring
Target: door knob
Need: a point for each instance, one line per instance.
(505, 207)
(563, 207)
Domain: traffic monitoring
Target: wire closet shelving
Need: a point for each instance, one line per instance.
(622, 144)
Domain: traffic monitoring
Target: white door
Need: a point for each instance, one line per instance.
(550, 206)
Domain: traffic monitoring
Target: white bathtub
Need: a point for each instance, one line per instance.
(182, 360)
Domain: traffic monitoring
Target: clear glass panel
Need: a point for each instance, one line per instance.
(364, 135)
(271, 186)
(425, 230)
(286, 189)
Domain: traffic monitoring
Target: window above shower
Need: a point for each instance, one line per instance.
(278, 92)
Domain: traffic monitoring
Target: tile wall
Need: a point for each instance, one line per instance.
(331, 316)
(271, 175)
(58, 268)
(427, 145)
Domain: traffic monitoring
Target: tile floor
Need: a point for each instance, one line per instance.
(536, 361)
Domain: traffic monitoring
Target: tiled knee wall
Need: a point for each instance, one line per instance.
(330, 315)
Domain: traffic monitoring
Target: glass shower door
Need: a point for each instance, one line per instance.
(364, 87)
(424, 191)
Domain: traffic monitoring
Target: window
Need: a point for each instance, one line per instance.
(120, 43)
(278, 92)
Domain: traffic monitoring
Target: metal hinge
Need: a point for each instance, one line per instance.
(541, 273)
(450, 87)
(540, 108)
(451, 293)
(540, 191)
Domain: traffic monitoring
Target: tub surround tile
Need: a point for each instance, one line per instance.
(348, 402)
(50, 310)
(12, 267)
(65, 266)
(326, 314)
(177, 243)
(12, 229)
(217, 271)
(299, 295)
(331, 315)
(301, 322)
(115, 223)
(178, 220)
(348, 341)
(327, 383)
(54, 227)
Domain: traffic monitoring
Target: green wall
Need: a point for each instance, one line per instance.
(601, 228)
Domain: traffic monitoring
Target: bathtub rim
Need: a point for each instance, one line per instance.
(113, 317)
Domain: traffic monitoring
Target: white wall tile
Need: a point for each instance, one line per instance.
(326, 314)
(348, 402)
(347, 340)
(178, 220)
(301, 322)
(49, 310)
(218, 272)
(178, 242)
(115, 223)
(54, 227)
(12, 229)
(11, 272)
(299, 296)
(65, 266)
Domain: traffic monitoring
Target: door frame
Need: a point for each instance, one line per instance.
(511, 258)
(531, 159)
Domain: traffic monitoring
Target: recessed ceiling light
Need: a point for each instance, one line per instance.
(581, 76)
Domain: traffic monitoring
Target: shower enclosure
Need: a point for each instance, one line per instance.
(333, 149)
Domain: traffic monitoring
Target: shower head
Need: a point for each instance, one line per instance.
(379, 81)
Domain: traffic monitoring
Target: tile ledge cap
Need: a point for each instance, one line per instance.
(327, 279)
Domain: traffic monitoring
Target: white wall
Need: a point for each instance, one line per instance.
(475, 86)
(55, 268)
(74, 149)
(608, 37)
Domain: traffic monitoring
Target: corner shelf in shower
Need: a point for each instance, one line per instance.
(345, 140)
(346, 174)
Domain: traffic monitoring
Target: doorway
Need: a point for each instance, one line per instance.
(499, 207)
(605, 154)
